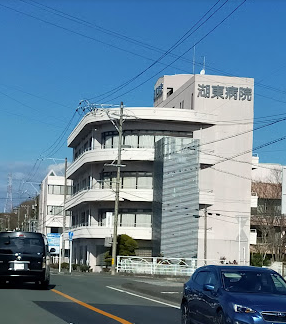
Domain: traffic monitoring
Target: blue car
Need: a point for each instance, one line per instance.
(225, 294)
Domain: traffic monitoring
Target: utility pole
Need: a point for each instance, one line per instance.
(64, 210)
(18, 218)
(115, 223)
(205, 234)
(8, 222)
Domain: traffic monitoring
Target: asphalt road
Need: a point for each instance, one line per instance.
(93, 298)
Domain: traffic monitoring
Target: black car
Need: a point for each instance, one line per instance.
(234, 295)
(24, 257)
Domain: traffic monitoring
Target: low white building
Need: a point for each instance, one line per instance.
(194, 148)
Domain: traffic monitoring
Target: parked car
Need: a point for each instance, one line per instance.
(24, 257)
(225, 294)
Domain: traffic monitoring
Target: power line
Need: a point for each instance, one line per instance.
(185, 52)
(78, 33)
(99, 28)
(36, 96)
(135, 41)
(175, 45)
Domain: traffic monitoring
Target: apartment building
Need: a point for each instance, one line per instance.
(186, 182)
(51, 203)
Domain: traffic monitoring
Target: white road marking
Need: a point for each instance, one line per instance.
(169, 292)
(151, 299)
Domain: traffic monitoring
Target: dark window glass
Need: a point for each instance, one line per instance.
(253, 282)
(201, 278)
(24, 245)
(211, 279)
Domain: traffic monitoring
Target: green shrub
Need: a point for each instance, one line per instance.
(65, 265)
(84, 268)
(75, 266)
(256, 259)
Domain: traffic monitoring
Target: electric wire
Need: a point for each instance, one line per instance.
(185, 52)
(135, 41)
(177, 43)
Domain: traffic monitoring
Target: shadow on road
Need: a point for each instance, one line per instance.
(25, 286)
(135, 314)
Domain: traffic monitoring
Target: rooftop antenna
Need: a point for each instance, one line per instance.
(203, 71)
(194, 55)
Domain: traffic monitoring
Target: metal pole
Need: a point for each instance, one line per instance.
(114, 242)
(60, 253)
(205, 236)
(70, 256)
(239, 230)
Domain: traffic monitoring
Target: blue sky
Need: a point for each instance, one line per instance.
(56, 53)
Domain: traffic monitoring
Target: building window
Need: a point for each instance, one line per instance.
(57, 210)
(58, 190)
(80, 218)
(129, 180)
(128, 218)
(139, 139)
(55, 230)
(82, 147)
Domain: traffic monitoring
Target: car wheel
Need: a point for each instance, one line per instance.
(185, 313)
(220, 318)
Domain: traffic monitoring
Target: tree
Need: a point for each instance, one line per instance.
(126, 246)
(268, 220)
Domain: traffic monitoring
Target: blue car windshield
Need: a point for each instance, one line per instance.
(253, 282)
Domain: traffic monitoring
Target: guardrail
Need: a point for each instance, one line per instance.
(160, 266)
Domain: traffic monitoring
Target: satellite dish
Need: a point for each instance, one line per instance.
(203, 71)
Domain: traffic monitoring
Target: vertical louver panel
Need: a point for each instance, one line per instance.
(176, 197)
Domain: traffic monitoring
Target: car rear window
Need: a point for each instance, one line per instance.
(24, 245)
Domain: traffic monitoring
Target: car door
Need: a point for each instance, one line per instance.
(195, 305)
(209, 299)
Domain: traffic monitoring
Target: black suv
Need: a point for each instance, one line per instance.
(24, 257)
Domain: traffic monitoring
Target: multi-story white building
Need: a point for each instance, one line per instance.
(51, 204)
(194, 147)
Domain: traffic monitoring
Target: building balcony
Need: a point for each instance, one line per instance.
(255, 161)
(100, 195)
(108, 155)
(253, 236)
(101, 232)
(208, 157)
(254, 200)
(206, 197)
(146, 114)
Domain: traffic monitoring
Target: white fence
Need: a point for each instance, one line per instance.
(160, 266)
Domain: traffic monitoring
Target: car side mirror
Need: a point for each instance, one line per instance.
(209, 287)
(52, 250)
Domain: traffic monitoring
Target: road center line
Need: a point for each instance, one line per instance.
(97, 310)
(151, 299)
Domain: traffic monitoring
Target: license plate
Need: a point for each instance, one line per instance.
(19, 266)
